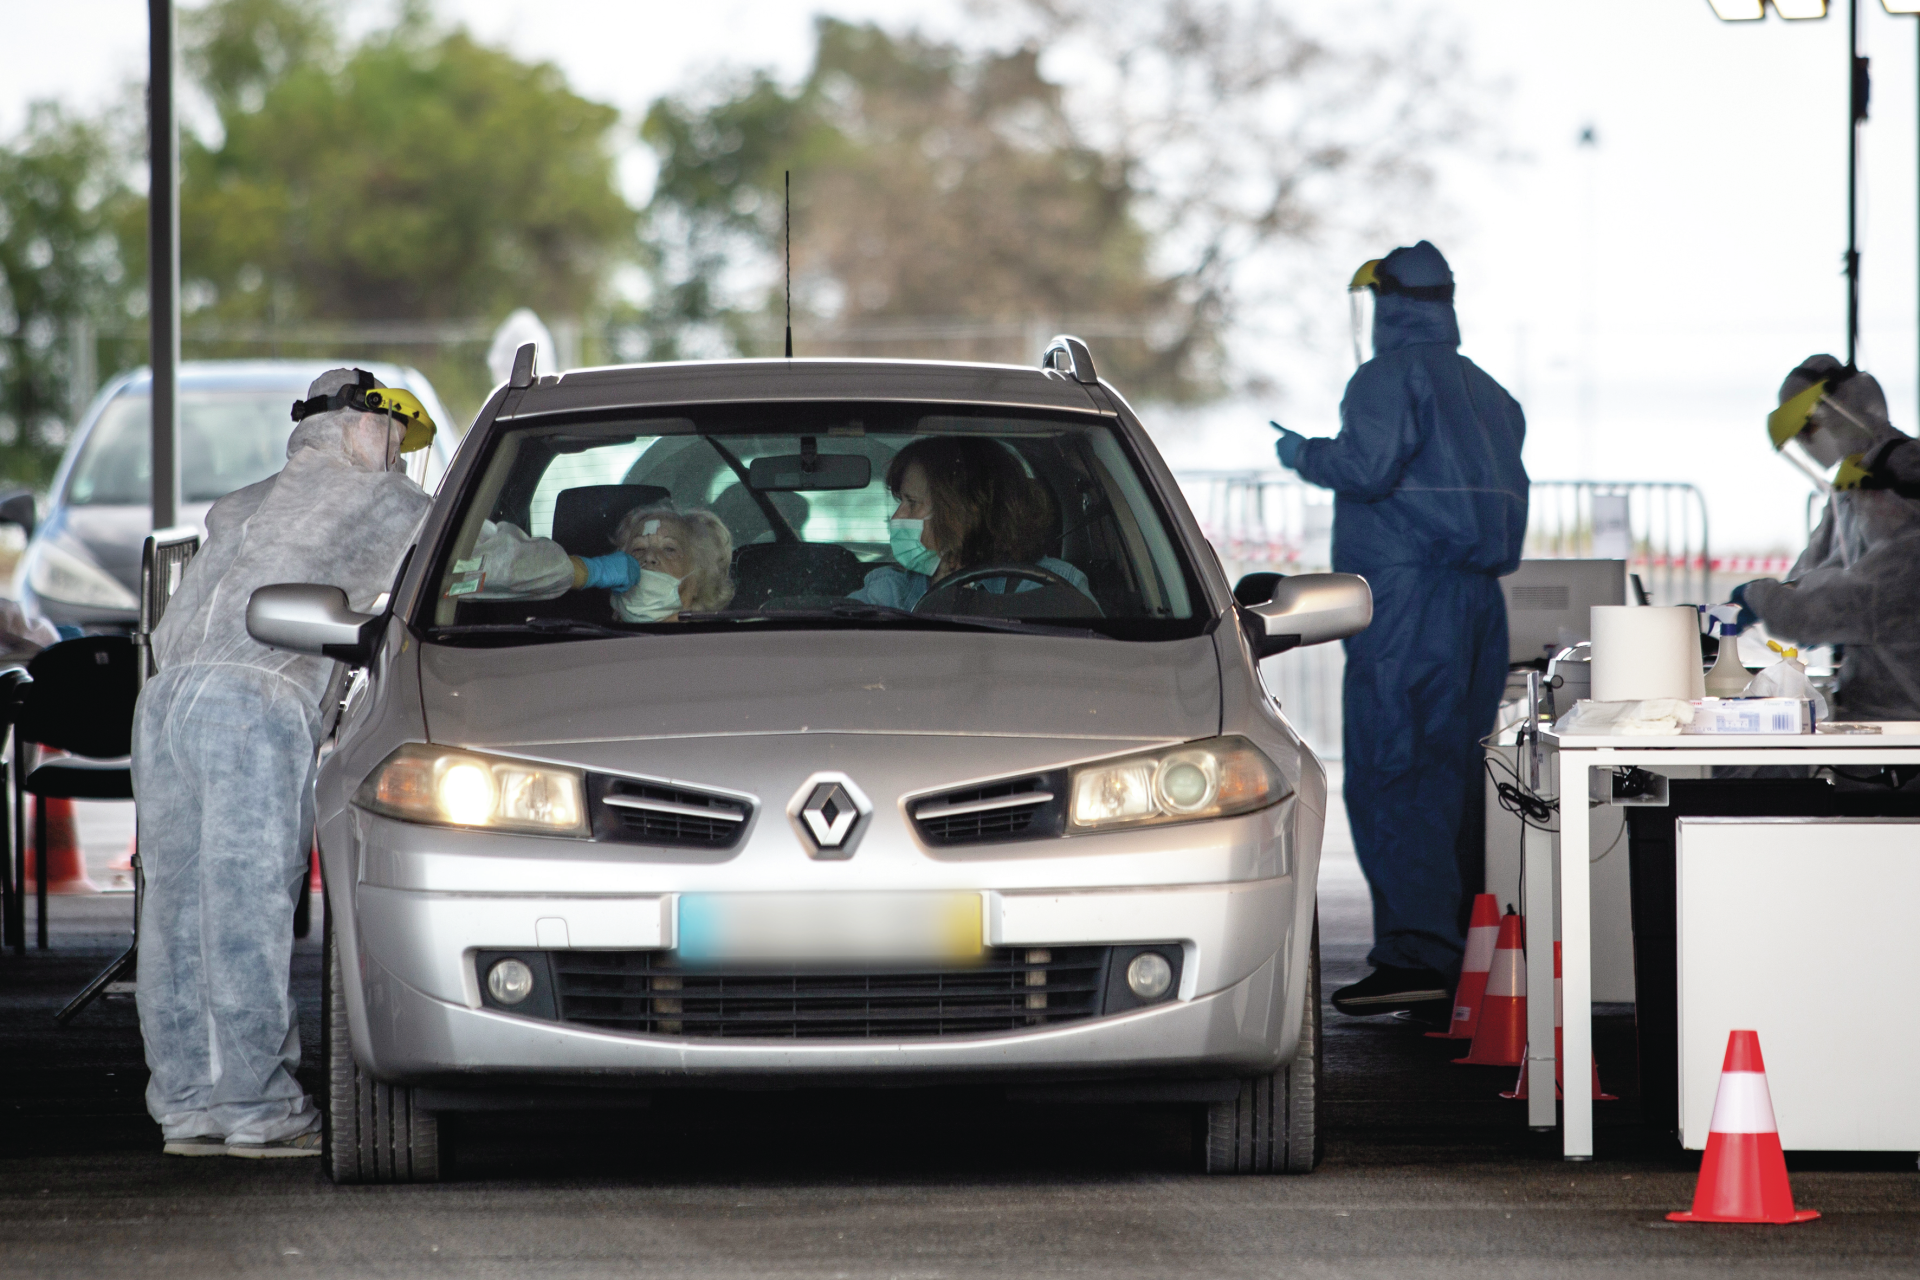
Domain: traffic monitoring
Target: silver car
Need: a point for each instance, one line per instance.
(1033, 822)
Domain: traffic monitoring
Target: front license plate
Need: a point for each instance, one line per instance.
(773, 927)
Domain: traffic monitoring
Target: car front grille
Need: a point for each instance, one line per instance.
(652, 993)
(632, 811)
(1014, 809)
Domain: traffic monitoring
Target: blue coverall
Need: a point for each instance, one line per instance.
(1431, 507)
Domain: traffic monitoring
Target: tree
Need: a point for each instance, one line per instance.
(928, 183)
(63, 204)
(422, 175)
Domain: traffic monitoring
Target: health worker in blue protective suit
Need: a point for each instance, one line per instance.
(1431, 508)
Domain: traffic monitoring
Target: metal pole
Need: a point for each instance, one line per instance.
(163, 260)
(1856, 112)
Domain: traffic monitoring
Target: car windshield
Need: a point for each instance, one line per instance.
(228, 440)
(813, 515)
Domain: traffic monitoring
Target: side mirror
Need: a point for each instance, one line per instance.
(307, 618)
(16, 507)
(1312, 608)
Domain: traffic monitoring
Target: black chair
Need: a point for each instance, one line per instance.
(584, 517)
(94, 718)
(78, 697)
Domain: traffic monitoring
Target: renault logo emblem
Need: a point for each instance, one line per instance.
(830, 813)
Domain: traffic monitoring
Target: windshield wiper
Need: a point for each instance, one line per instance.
(855, 611)
(536, 626)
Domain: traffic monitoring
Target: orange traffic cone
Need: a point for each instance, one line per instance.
(1482, 932)
(1743, 1177)
(1559, 1049)
(1500, 1039)
(66, 869)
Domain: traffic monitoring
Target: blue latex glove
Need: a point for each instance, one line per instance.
(1747, 616)
(1288, 446)
(616, 571)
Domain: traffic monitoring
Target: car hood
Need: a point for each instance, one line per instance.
(113, 535)
(866, 681)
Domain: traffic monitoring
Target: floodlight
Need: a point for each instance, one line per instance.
(1739, 10)
(1897, 7)
(1795, 9)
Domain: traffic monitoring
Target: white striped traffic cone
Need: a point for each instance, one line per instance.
(1743, 1176)
(1500, 1040)
(1483, 930)
(1519, 1089)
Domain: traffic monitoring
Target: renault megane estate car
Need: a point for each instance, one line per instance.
(928, 745)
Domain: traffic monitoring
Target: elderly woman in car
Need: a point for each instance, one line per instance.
(665, 560)
(965, 502)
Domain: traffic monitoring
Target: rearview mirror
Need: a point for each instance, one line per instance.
(308, 618)
(1312, 608)
(17, 508)
(809, 469)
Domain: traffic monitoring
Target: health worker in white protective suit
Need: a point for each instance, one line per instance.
(1857, 585)
(223, 759)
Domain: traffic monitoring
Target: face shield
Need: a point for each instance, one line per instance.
(1822, 432)
(1360, 304)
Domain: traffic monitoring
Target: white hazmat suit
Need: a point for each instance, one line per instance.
(1858, 582)
(223, 757)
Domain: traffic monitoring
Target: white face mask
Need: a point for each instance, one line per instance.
(654, 598)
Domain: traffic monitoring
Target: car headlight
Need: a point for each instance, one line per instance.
(55, 573)
(451, 788)
(1212, 779)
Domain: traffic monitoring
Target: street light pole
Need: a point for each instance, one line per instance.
(1858, 89)
(163, 261)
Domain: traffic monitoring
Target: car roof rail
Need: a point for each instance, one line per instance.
(1067, 354)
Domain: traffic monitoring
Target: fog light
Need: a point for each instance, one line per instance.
(1148, 976)
(511, 981)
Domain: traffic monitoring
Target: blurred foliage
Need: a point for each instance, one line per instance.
(930, 185)
(422, 176)
(63, 205)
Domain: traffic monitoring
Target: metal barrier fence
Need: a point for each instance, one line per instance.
(1271, 520)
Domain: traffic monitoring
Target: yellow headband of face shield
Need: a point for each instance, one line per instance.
(406, 406)
(1366, 277)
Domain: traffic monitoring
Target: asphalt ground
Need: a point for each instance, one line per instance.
(1428, 1172)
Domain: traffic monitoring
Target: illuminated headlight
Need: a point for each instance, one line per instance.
(56, 573)
(448, 788)
(1213, 779)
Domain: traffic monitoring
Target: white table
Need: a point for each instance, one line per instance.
(1573, 757)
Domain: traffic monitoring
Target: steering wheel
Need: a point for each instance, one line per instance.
(1069, 600)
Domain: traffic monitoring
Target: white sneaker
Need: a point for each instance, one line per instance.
(300, 1144)
(200, 1144)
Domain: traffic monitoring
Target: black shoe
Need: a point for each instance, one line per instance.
(1388, 990)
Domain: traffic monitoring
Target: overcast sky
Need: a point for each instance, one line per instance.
(1643, 297)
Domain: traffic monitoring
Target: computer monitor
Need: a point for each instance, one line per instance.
(1548, 600)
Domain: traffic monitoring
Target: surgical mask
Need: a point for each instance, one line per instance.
(915, 556)
(654, 598)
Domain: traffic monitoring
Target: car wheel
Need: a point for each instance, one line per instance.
(373, 1132)
(1274, 1125)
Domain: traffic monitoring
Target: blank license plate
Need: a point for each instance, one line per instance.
(829, 926)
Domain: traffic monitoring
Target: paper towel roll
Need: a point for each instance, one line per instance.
(1642, 652)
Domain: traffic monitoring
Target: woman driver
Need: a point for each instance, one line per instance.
(965, 502)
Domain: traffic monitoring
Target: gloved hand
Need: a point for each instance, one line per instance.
(1739, 597)
(1288, 446)
(616, 571)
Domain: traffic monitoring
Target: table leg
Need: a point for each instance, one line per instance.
(1576, 959)
(1537, 905)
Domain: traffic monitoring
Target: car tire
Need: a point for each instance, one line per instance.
(372, 1132)
(1274, 1125)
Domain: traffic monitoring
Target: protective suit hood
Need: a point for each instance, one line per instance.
(1400, 321)
(364, 441)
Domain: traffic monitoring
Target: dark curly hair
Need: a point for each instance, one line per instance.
(985, 508)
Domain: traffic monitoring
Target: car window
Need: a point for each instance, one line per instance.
(228, 440)
(1026, 517)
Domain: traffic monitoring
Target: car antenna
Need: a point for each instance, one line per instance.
(789, 186)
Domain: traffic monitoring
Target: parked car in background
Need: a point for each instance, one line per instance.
(1039, 828)
(82, 562)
